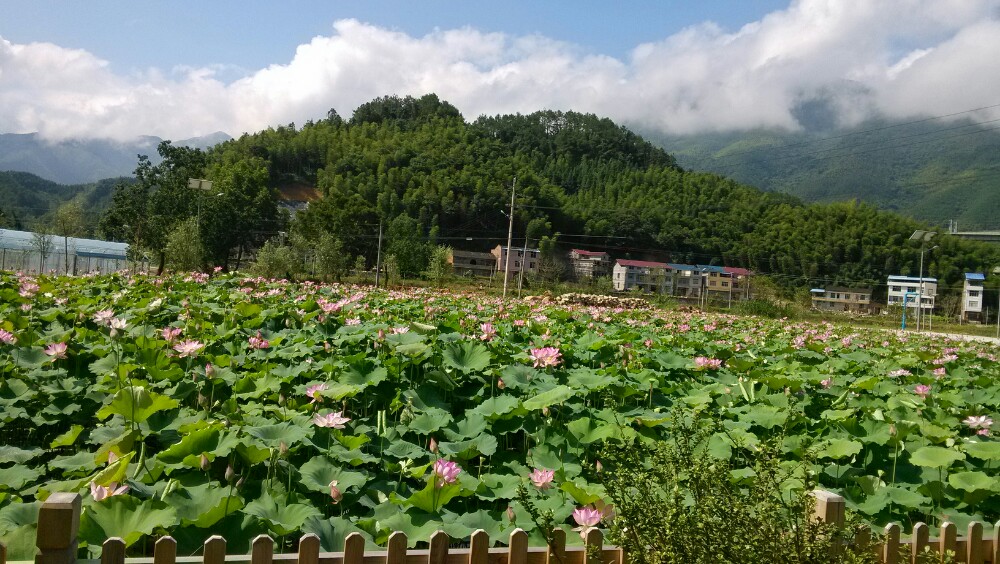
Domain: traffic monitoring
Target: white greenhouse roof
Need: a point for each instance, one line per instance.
(22, 241)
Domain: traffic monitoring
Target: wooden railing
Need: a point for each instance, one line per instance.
(973, 548)
(59, 522)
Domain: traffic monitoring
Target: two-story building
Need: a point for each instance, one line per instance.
(972, 296)
(589, 264)
(839, 298)
(471, 263)
(645, 275)
(912, 290)
(520, 259)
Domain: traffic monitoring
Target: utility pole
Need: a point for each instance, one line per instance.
(378, 254)
(524, 264)
(510, 239)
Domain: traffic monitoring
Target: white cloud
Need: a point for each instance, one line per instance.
(900, 58)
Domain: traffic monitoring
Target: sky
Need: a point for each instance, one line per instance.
(177, 69)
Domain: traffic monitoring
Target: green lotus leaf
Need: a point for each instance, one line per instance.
(473, 425)
(983, 450)
(588, 430)
(432, 498)
(498, 486)
(67, 438)
(417, 526)
(20, 542)
(282, 518)
(126, 517)
(18, 475)
(496, 406)
(203, 505)
(317, 474)
(840, 448)
(936, 457)
(556, 395)
(460, 526)
(136, 404)
(588, 379)
(430, 421)
(403, 450)
(115, 472)
(518, 376)
(274, 435)
(209, 441)
(333, 531)
(17, 515)
(972, 481)
(18, 455)
(485, 444)
(82, 461)
(466, 356)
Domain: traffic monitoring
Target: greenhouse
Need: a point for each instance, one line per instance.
(38, 252)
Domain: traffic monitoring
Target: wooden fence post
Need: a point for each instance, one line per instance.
(829, 508)
(58, 524)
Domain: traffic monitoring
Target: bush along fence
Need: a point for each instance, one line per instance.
(973, 548)
(59, 521)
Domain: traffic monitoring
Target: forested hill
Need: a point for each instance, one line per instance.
(27, 200)
(931, 170)
(416, 164)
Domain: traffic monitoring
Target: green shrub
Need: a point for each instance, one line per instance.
(276, 260)
(763, 308)
(676, 502)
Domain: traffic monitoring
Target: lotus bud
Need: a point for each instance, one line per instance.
(500, 383)
(433, 446)
(510, 513)
(288, 322)
(209, 371)
(335, 493)
(598, 466)
(239, 483)
(326, 346)
(546, 411)
(230, 473)
(282, 400)
(204, 462)
(283, 450)
(202, 400)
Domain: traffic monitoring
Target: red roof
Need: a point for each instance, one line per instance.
(589, 253)
(642, 263)
(737, 270)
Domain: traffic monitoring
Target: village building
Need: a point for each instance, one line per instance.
(839, 298)
(520, 259)
(589, 264)
(473, 264)
(972, 296)
(909, 290)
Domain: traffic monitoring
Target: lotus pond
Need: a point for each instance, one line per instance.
(196, 405)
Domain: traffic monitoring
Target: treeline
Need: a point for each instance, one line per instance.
(418, 169)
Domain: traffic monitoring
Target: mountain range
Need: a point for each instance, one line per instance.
(929, 169)
(84, 161)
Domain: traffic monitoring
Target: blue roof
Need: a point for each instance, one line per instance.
(677, 266)
(710, 268)
(901, 278)
(975, 276)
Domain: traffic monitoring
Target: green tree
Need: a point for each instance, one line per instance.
(439, 267)
(68, 222)
(275, 259)
(184, 250)
(406, 242)
(331, 259)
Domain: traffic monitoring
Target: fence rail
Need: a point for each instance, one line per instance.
(59, 522)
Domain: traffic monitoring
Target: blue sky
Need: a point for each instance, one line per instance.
(118, 69)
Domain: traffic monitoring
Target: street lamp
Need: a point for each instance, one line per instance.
(996, 270)
(923, 237)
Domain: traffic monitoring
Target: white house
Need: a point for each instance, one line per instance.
(520, 258)
(908, 289)
(972, 296)
(589, 264)
(645, 275)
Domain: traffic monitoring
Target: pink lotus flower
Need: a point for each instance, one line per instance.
(333, 420)
(101, 492)
(542, 479)
(56, 350)
(900, 372)
(7, 338)
(922, 390)
(103, 317)
(209, 371)
(258, 342)
(171, 334)
(335, 494)
(189, 348)
(546, 356)
(939, 372)
(446, 472)
(586, 516)
(314, 392)
(488, 332)
(978, 422)
(705, 363)
(826, 383)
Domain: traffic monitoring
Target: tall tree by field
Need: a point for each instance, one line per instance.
(69, 222)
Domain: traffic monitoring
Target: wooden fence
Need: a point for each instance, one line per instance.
(59, 522)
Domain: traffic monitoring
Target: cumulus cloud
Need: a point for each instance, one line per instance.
(837, 59)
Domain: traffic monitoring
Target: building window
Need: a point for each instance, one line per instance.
(973, 293)
(897, 289)
(517, 264)
(531, 265)
(725, 284)
(974, 303)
